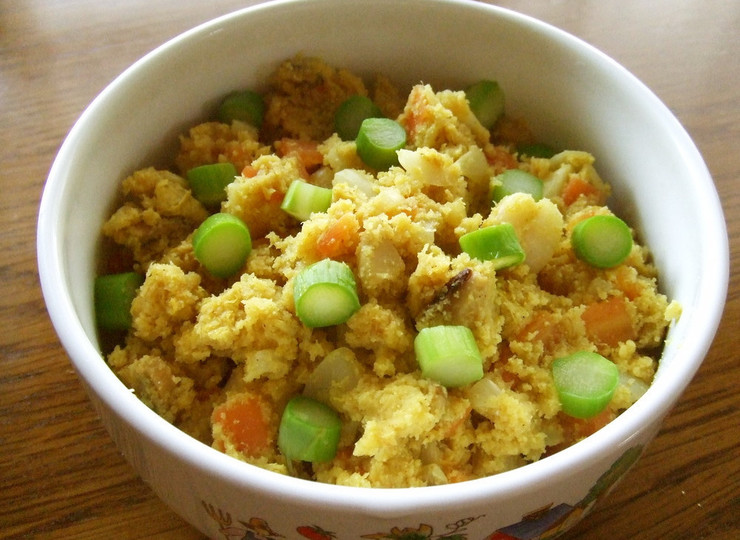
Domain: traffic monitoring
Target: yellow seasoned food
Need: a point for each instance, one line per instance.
(220, 358)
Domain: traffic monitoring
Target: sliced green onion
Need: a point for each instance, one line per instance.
(222, 244)
(208, 182)
(378, 140)
(516, 181)
(309, 430)
(246, 106)
(325, 294)
(448, 355)
(302, 199)
(538, 150)
(602, 241)
(114, 294)
(351, 113)
(497, 243)
(585, 383)
(486, 100)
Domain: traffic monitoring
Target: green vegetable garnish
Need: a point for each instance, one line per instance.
(585, 382)
(486, 100)
(309, 430)
(222, 244)
(113, 295)
(378, 140)
(351, 113)
(602, 241)
(208, 182)
(516, 181)
(302, 199)
(448, 355)
(538, 150)
(325, 294)
(497, 243)
(246, 106)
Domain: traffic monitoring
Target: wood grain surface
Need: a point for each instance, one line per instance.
(60, 474)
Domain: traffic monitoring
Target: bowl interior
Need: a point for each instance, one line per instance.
(572, 95)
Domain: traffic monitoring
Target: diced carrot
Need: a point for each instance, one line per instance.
(417, 114)
(411, 122)
(576, 187)
(245, 423)
(542, 328)
(595, 423)
(500, 158)
(608, 321)
(576, 429)
(339, 238)
(249, 172)
(307, 152)
(273, 197)
(580, 428)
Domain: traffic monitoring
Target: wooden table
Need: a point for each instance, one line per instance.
(60, 474)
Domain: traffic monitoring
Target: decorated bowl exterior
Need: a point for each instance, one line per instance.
(571, 94)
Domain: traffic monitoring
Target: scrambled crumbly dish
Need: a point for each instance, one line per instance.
(219, 358)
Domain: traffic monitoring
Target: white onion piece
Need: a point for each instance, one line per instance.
(481, 396)
(339, 369)
(428, 166)
(473, 165)
(435, 476)
(323, 176)
(387, 201)
(635, 386)
(357, 179)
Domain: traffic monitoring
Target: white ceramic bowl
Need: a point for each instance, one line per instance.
(572, 95)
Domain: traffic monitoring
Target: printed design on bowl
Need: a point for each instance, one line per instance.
(543, 523)
(551, 521)
(253, 529)
(455, 531)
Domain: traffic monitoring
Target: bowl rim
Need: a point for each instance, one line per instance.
(97, 375)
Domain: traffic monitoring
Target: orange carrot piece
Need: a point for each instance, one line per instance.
(417, 114)
(500, 158)
(249, 172)
(579, 428)
(542, 328)
(307, 152)
(589, 426)
(245, 423)
(576, 429)
(576, 187)
(609, 321)
(339, 238)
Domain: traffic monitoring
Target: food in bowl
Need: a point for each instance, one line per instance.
(368, 311)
